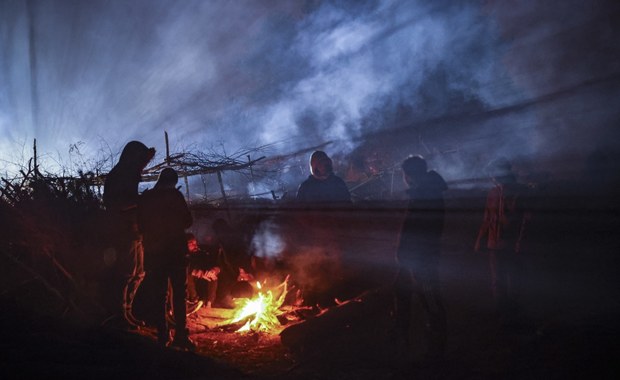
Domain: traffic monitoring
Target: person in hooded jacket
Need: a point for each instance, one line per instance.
(418, 254)
(120, 198)
(163, 216)
(323, 186)
(319, 230)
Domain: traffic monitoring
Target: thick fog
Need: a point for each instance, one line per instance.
(459, 82)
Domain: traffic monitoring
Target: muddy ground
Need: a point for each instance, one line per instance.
(568, 327)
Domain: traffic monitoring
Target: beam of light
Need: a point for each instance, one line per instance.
(256, 73)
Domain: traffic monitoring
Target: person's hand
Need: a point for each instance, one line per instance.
(212, 274)
(197, 273)
(244, 276)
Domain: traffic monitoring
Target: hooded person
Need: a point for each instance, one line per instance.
(320, 230)
(163, 217)
(418, 253)
(120, 198)
(322, 185)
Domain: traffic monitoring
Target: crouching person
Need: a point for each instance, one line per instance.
(163, 216)
(202, 279)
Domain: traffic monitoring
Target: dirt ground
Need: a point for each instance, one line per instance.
(567, 329)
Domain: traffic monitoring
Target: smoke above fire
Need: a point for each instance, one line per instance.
(267, 242)
(459, 82)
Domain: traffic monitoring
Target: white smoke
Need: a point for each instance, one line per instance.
(251, 73)
(267, 242)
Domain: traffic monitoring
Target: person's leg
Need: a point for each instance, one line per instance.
(403, 303)
(513, 285)
(122, 268)
(499, 282)
(211, 292)
(503, 278)
(178, 280)
(437, 323)
(192, 287)
(134, 279)
(159, 282)
(200, 298)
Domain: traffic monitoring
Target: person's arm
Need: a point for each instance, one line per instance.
(484, 227)
(525, 206)
(345, 194)
(301, 194)
(186, 216)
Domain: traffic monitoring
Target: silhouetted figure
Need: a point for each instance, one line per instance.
(503, 225)
(418, 256)
(237, 267)
(319, 230)
(163, 216)
(323, 186)
(120, 198)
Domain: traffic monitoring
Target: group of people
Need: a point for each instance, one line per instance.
(150, 242)
(418, 251)
(150, 238)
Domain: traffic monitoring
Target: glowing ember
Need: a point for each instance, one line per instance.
(263, 310)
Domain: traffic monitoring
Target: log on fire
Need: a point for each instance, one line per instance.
(368, 314)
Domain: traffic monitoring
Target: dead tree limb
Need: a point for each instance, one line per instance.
(45, 283)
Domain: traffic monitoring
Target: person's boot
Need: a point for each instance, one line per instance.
(182, 342)
(128, 314)
(163, 337)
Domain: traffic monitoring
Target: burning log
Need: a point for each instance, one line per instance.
(261, 312)
(368, 314)
(237, 326)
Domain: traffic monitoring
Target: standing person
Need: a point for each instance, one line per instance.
(163, 216)
(418, 255)
(120, 197)
(320, 228)
(322, 185)
(503, 225)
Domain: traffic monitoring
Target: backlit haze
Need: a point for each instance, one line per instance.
(461, 82)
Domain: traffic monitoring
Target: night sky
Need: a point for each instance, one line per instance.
(532, 81)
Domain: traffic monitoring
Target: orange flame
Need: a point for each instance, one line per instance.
(263, 310)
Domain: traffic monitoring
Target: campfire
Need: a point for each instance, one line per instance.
(261, 312)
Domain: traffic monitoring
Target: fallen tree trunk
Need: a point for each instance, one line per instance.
(365, 319)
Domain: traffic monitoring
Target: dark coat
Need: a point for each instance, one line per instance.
(120, 190)
(163, 216)
(330, 190)
(205, 258)
(121, 184)
(420, 236)
(505, 216)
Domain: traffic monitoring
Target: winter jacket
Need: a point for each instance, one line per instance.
(121, 184)
(504, 217)
(163, 216)
(330, 190)
(420, 235)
